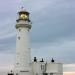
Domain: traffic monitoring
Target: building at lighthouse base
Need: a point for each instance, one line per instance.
(47, 68)
(42, 68)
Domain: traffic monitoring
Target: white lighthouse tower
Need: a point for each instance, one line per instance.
(23, 51)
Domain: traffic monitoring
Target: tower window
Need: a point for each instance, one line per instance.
(19, 30)
(17, 63)
(19, 38)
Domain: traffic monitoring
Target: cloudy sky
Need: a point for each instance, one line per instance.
(52, 33)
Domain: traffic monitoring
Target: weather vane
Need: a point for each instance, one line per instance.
(22, 7)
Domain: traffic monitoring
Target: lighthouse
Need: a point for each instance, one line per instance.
(24, 65)
(23, 51)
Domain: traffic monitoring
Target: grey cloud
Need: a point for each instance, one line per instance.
(61, 51)
(8, 45)
(52, 22)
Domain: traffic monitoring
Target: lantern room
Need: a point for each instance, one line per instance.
(23, 15)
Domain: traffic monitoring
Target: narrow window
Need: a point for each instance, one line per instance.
(19, 30)
(19, 38)
(42, 67)
(17, 63)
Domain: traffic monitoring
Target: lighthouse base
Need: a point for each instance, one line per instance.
(23, 73)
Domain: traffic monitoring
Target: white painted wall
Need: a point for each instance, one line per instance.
(23, 52)
(56, 68)
(37, 68)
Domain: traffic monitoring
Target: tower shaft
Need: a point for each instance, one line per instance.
(23, 52)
